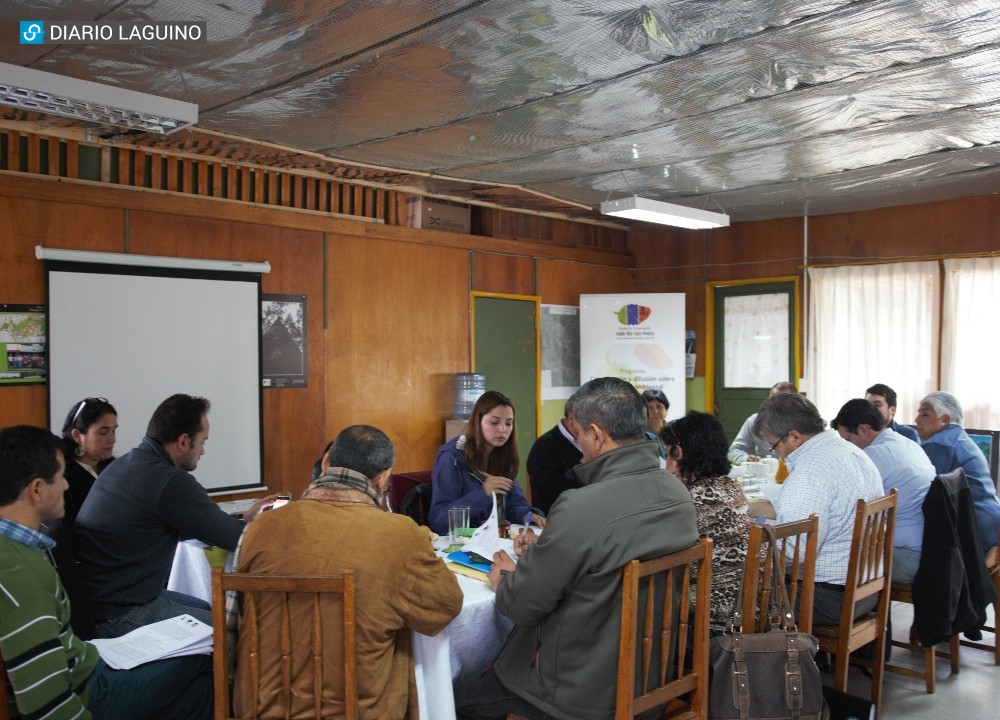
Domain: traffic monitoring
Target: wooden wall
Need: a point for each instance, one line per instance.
(669, 260)
(387, 306)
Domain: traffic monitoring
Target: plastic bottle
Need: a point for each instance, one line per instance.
(468, 388)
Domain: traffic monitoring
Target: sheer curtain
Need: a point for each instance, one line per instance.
(970, 346)
(870, 324)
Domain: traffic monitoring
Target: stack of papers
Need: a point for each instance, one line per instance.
(181, 635)
(483, 544)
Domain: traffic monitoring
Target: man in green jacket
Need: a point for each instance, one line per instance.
(53, 673)
(564, 594)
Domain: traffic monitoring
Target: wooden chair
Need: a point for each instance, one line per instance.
(797, 548)
(903, 592)
(869, 572)
(401, 485)
(294, 590)
(993, 565)
(660, 610)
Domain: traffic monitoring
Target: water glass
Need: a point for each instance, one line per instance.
(458, 519)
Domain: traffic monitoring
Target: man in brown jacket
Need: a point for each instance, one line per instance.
(400, 584)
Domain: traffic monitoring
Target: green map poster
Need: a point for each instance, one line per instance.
(22, 345)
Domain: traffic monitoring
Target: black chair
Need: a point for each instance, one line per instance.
(417, 503)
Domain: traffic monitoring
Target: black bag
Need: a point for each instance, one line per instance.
(770, 675)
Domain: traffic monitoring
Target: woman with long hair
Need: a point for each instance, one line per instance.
(696, 448)
(482, 461)
(89, 444)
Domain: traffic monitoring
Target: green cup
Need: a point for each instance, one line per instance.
(216, 556)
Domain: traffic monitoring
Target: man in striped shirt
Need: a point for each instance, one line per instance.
(53, 674)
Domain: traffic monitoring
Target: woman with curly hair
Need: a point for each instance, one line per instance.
(696, 453)
(482, 461)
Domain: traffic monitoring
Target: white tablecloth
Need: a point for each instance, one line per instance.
(468, 644)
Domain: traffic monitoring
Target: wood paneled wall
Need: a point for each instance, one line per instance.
(670, 260)
(387, 307)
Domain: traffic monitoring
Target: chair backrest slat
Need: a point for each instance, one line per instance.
(291, 591)
(667, 580)
(796, 542)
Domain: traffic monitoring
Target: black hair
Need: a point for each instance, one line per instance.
(858, 412)
(885, 391)
(80, 417)
(317, 468)
(780, 414)
(26, 453)
(364, 449)
(178, 415)
(703, 442)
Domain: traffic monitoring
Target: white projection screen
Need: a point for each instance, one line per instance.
(136, 335)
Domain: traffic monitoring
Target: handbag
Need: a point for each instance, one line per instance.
(770, 675)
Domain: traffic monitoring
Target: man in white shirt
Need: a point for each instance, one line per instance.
(903, 465)
(827, 477)
(747, 446)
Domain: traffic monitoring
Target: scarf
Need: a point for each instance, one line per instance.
(338, 478)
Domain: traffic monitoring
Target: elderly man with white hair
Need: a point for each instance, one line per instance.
(939, 426)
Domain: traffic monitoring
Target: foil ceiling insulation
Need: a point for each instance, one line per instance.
(761, 108)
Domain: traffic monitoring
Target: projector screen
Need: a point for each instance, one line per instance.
(136, 335)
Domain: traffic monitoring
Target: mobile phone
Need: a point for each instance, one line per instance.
(283, 498)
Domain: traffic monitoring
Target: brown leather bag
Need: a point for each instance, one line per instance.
(771, 674)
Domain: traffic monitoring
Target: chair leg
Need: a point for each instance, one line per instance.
(840, 666)
(929, 676)
(953, 646)
(878, 668)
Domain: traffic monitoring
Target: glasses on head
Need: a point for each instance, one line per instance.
(83, 404)
(778, 442)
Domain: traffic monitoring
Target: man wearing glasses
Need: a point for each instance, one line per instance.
(827, 476)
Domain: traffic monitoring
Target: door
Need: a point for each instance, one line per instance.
(505, 331)
(755, 331)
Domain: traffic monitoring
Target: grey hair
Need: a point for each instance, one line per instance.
(945, 403)
(614, 406)
(780, 414)
(570, 408)
(364, 449)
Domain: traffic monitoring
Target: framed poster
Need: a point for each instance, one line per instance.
(283, 341)
(23, 360)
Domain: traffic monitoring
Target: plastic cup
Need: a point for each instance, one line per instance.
(216, 556)
(458, 520)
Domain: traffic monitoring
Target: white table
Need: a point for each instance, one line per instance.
(468, 644)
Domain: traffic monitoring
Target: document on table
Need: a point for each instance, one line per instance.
(486, 539)
(181, 635)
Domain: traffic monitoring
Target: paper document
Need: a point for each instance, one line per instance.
(486, 539)
(181, 635)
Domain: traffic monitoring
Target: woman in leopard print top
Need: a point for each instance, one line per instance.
(696, 453)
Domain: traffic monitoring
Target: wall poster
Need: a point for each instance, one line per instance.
(283, 341)
(23, 360)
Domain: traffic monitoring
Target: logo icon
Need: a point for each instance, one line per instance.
(633, 314)
(32, 32)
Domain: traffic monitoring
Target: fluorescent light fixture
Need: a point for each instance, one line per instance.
(46, 92)
(88, 256)
(654, 211)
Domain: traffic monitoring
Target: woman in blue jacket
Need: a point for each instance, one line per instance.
(482, 461)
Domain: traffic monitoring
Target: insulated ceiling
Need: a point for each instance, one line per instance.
(760, 108)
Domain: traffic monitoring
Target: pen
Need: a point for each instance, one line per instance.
(527, 520)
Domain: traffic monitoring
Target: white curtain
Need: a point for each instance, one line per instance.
(970, 345)
(873, 324)
(756, 337)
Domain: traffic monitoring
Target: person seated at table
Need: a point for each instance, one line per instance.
(827, 477)
(883, 398)
(696, 454)
(552, 455)
(656, 410)
(747, 447)
(51, 671)
(902, 465)
(482, 461)
(561, 659)
(942, 436)
(89, 443)
(139, 508)
(401, 585)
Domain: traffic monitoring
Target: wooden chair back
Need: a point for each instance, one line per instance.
(290, 589)
(869, 572)
(657, 633)
(797, 549)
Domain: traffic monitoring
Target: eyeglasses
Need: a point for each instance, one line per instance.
(83, 404)
(778, 442)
